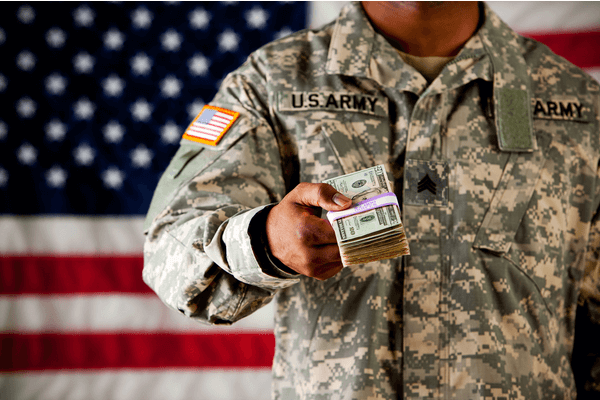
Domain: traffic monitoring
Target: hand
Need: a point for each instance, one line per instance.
(299, 237)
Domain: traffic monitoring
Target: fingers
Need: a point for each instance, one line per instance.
(327, 271)
(321, 263)
(299, 238)
(311, 230)
(320, 195)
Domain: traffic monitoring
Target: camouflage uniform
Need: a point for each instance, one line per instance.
(504, 242)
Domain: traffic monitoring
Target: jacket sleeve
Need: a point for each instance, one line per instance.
(202, 252)
(586, 349)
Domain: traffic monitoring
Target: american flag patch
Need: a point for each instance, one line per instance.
(210, 125)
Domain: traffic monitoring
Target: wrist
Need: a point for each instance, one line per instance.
(270, 264)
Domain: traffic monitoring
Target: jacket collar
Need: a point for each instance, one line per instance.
(492, 54)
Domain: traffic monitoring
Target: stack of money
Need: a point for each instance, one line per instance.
(371, 229)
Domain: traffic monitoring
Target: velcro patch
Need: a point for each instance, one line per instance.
(333, 101)
(564, 108)
(210, 125)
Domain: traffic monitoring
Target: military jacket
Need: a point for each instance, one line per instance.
(500, 297)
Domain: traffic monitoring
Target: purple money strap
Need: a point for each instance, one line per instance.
(385, 199)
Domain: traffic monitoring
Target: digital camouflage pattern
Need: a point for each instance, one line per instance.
(502, 260)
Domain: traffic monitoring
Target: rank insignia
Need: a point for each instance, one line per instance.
(426, 183)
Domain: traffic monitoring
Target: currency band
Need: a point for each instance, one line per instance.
(385, 199)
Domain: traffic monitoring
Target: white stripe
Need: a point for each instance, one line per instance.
(223, 115)
(220, 120)
(322, 12)
(173, 384)
(206, 126)
(594, 73)
(218, 123)
(207, 136)
(525, 16)
(548, 16)
(71, 235)
(57, 314)
(204, 131)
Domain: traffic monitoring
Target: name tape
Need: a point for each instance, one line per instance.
(564, 109)
(332, 101)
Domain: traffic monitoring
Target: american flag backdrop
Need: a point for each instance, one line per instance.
(94, 98)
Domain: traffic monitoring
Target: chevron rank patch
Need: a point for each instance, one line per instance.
(210, 125)
(426, 183)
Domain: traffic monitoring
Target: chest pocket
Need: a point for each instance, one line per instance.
(334, 147)
(524, 231)
(511, 200)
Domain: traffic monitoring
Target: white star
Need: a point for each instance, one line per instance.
(141, 157)
(228, 41)
(170, 86)
(141, 18)
(26, 60)
(56, 177)
(3, 130)
(56, 130)
(113, 132)
(83, 62)
(56, 37)
(194, 108)
(171, 40)
(2, 36)
(199, 18)
(55, 84)
(256, 18)
(113, 85)
(141, 110)
(3, 177)
(3, 83)
(170, 133)
(26, 14)
(113, 39)
(141, 64)
(26, 107)
(286, 31)
(84, 154)
(113, 178)
(84, 16)
(84, 108)
(198, 65)
(27, 154)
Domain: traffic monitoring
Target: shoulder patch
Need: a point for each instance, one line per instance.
(210, 125)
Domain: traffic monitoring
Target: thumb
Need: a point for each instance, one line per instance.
(322, 195)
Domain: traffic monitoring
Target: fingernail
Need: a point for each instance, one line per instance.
(340, 199)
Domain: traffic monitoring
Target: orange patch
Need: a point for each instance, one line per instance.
(210, 125)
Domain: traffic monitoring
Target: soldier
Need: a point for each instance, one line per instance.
(500, 297)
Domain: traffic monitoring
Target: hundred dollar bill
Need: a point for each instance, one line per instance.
(375, 218)
(371, 229)
(362, 185)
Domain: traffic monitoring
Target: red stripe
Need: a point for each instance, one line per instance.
(204, 132)
(580, 48)
(207, 126)
(143, 351)
(71, 275)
